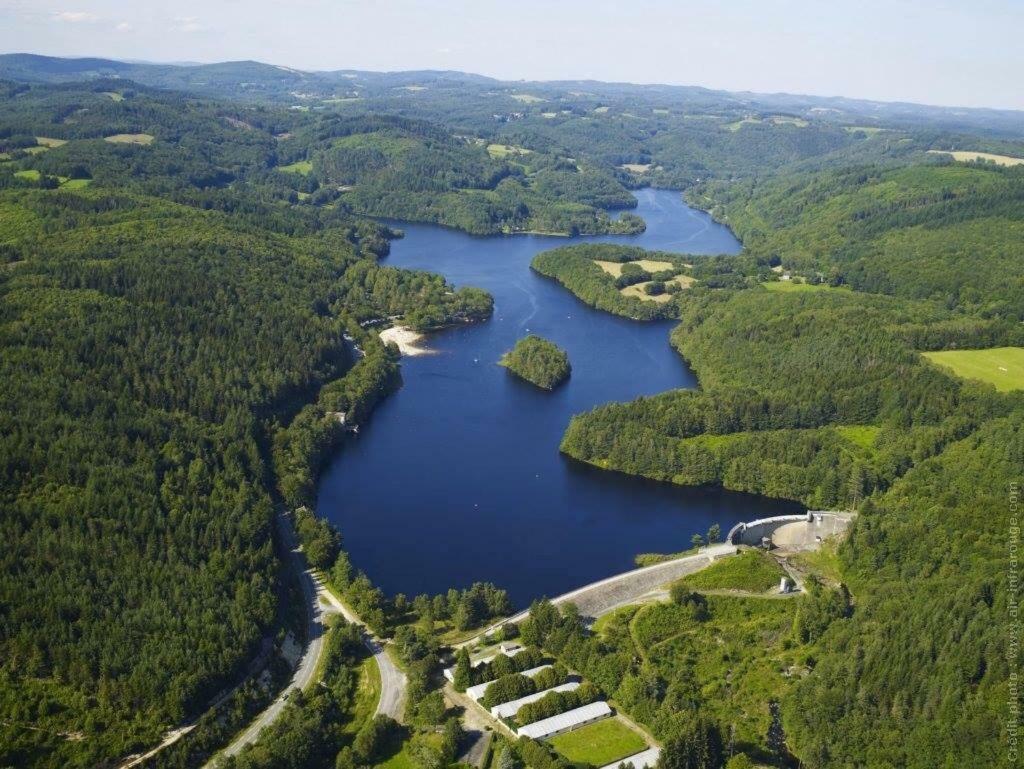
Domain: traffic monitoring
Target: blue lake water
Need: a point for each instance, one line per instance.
(457, 477)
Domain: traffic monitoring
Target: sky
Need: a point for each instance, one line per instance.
(966, 53)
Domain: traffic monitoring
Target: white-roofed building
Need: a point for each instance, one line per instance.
(509, 650)
(647, 758)
(476, 692)
(508, 709)
(564, 722)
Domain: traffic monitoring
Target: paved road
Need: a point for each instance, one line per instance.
(392, 680)
(320, 601)
(609, 594)
(306, 669)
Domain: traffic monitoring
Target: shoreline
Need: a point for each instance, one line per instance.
(407, 340)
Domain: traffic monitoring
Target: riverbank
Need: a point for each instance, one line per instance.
(407, 340)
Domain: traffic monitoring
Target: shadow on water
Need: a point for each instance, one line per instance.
(458, 476)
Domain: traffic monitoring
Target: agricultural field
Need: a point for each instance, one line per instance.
(1002, 367)
(639, 291)
(46, 141)
(129, 139)
(649, 265)
(526, 98)
(791, 286)
(600, 743)
(965, 156)
(504, 150)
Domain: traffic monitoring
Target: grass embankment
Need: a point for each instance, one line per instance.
(599, 744)
(1001, 367)
(752, 571)
(741, 655)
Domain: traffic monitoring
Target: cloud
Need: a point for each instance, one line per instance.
(189, 24)
(75, 17)
(124, 26)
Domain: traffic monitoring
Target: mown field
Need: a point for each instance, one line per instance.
(599, 744)
(1002, 367)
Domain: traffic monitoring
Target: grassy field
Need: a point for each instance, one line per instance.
(1002, 367)
(752, 571)
(790, 286)
(31, 174)
(636, 168)
(598, 744)
(738, 124)
(46, 141)
(967, 157)
(862, 435)
(650, 265)
(526, 98)
(129, 139)
(637, 291)
(504, 150)
(303, 167)
(113, 95)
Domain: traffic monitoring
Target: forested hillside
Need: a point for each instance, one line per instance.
(189, 289)
(152, 348)
(818, 393)
(937, 230)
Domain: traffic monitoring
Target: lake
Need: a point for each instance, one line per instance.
(457, 477)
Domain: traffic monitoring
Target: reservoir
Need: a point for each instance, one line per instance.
(457, 477)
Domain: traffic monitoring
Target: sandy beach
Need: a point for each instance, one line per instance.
(408, 341)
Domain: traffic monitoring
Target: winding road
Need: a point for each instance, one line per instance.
(320, 601)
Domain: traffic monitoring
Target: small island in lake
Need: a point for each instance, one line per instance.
(538, 361)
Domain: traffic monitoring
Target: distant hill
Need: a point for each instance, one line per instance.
(279, 84)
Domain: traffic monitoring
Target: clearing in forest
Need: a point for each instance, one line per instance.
(649, 265)
(1002, 367)
(967, 157)
(129, 139)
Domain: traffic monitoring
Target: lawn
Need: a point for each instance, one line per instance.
(599, 744)
(303, 167)
(752, 571)
(1002, 367)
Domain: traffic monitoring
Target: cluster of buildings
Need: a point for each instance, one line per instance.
(557, 724)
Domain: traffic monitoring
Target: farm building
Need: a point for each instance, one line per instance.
(509, 650)
(508, 709)
(647, 758)
(565, 722)
(476, 692)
